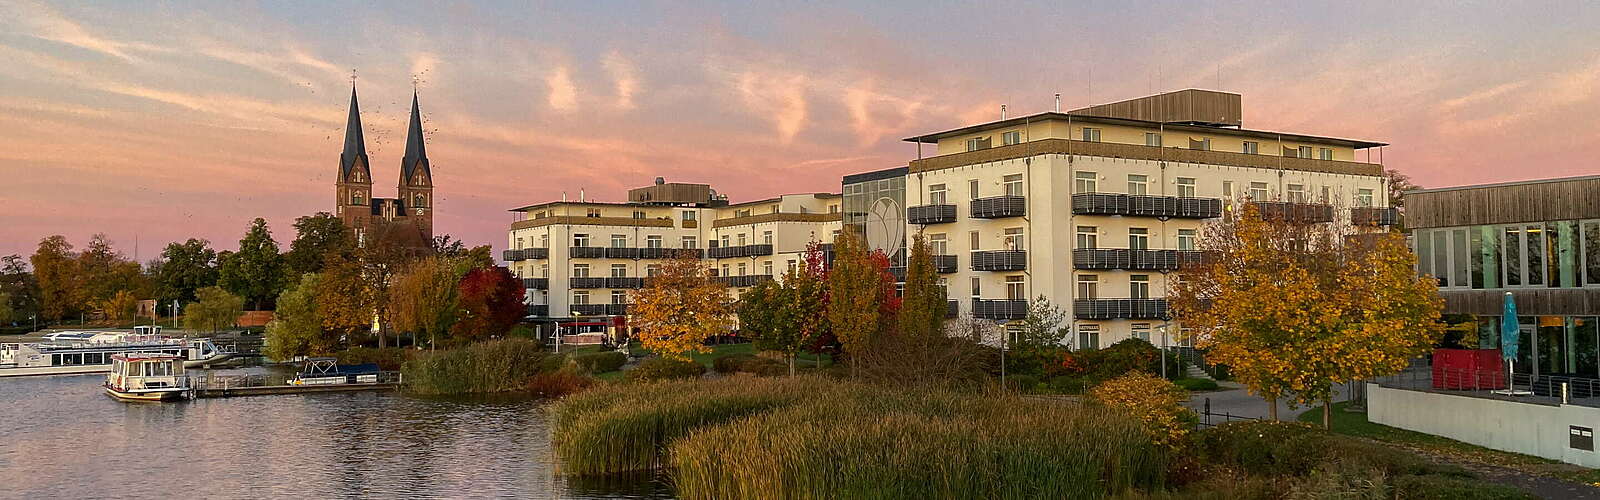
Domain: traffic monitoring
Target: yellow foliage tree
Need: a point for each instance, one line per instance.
(682, 307)
(120, 307)
(1293, 307)
(1157, 403)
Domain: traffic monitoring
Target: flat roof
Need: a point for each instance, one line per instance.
(874, 175)
(1051, 115)
(664, 205)
(1504, 184)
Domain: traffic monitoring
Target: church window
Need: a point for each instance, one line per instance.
(358, 199)
(420, 201)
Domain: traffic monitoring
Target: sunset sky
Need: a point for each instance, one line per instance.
(161, 122)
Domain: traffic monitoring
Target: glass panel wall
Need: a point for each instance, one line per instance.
(1557, 254)
(1584, 338)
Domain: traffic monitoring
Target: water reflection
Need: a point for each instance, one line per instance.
(60, 437)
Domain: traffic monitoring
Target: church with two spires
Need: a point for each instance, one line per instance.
(409, 215)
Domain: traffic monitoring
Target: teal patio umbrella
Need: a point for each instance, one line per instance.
(1508, 337)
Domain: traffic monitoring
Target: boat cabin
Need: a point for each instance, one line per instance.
(146, 376)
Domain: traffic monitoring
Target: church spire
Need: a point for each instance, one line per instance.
(355, 143)
(416, 157)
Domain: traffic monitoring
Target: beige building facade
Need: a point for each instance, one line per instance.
(583, 259)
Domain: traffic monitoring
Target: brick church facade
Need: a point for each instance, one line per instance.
(408, 217)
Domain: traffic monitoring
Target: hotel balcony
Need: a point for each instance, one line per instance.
(1000, 260)
(540, 310)
(586, 282)
(586, 252)
(622, 253)
(740, 251)
(898, 272)
(1162, 207)
(1374, 216)
(931, 214)
(944, 264)
(1303, 213)
(589, 309)
(617, 309)
(1094, 259)
(743, 281)
(512, 255)
(1007, 309)
(620, 282)
(999, 207)
(536, 283)
(1120, 309)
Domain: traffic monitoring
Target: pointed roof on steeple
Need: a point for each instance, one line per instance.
(416, 157)
(355, 143)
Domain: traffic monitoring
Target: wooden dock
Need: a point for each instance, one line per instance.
(230, 386)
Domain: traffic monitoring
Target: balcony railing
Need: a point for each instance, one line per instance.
(586, 282)
(589, 309)
(1134, 260)
(1304, 213)
(931, 214)
(617, 309)
(999, 309)
(536, 283)
(621, 282)
(1000, 260)
(898, 272)
(541, 310)
(944, 264)
(740, 251)
(999, 206)
(512, 255)
(1374, 216)
(540, 253)
(586, 252)
(1120, 309)
(742, 281)
(1146, 206)
(622, 253)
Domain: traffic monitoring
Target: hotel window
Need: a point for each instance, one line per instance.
(688, 215)
(972, 188)
(619, 270)
(1013, 239)
(1013, 185)
(725, 241)
(976, 287)
(1139, 286)
(936, 194)
(1297, 193)
(1091, 134)
(937, 244)
(544, 241)
(619, 297)
(638, 214)
(741, 213)
(1085, 182)
(1258, 191)
(544, 270)
(1152, 139)
(1012, 137)
(1088, 336)
(742, 240)
(1138, 184)
(652, 241)
(977, 143)
(766, 237)
(580, 297)
(580, 270)
(1364, 197)
(1201, 144)
(743, 270)
(652, 270)
(1141, 331)
(519, 243)
(776, 208)
(1326, 198)
(580, 240)
(725, 270)
(1016, 288)
(619, 241)
(1185, 187)
(1251, 147)
(1138, 238)
(690, 242)
(766, 268)
(1186, 239)
(833, 209)
(1325, 153)
(972, 237)
(1303, 152)
(594, 212)
(793, 265)
(1088, 286)
(1088, 237)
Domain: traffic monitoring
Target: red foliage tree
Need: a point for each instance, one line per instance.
(491, 302)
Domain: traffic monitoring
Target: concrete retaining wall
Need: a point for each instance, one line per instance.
(1528, 428)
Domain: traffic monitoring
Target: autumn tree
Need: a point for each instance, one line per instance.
(105, 271)
(786, 316)
(19, 284)
(214, 310)
(681, 307)
(256, 271)
(122, 306)
(923, 310)
(426, 299)
(343, 300)
(491, 302)
(316, 236)
(296, 330)
(1294, 307)
(859, 304)
(60, 279)
(185, 267)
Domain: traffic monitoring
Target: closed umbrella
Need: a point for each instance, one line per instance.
(1509, 341)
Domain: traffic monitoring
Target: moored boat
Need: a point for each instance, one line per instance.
(65, 353)
(146, 377)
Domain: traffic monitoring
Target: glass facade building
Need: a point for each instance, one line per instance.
(874, 209)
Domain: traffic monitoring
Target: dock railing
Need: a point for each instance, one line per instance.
(211, 381)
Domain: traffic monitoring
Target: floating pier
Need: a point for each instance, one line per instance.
(229, 386)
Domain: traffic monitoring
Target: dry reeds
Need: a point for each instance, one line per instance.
(484, 367)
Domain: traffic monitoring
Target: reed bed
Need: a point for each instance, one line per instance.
(870, 443)
(628, 427)
(485, 367)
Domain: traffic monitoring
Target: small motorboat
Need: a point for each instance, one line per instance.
(326, 371)
(138, 376)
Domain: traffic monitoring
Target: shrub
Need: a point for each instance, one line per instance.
(492, 366)
(731, 363)
(1023, 383)
(600, 362)
(388, 358)
(1196, 384)
(1157, 403)
(661, 368)
(766, 367)
(558, 383)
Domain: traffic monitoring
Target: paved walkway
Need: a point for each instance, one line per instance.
(1235, 400)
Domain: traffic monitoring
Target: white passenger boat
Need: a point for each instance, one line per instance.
(65, 353)
(140, 376)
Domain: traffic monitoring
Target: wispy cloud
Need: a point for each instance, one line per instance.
(780, 98)
(623, 76)
(563, 94)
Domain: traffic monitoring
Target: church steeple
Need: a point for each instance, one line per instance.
(354, 157)
(414, 169)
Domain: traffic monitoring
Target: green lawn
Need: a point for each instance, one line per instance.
(1356, 424)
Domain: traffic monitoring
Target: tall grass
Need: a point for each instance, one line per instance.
(485, 367)
(865, 442)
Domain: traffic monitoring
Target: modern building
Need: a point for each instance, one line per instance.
(581, 259)
(411, 211)
(1093, 208)
(1538, 240)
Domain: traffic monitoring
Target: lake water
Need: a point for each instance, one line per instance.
(62, 437)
